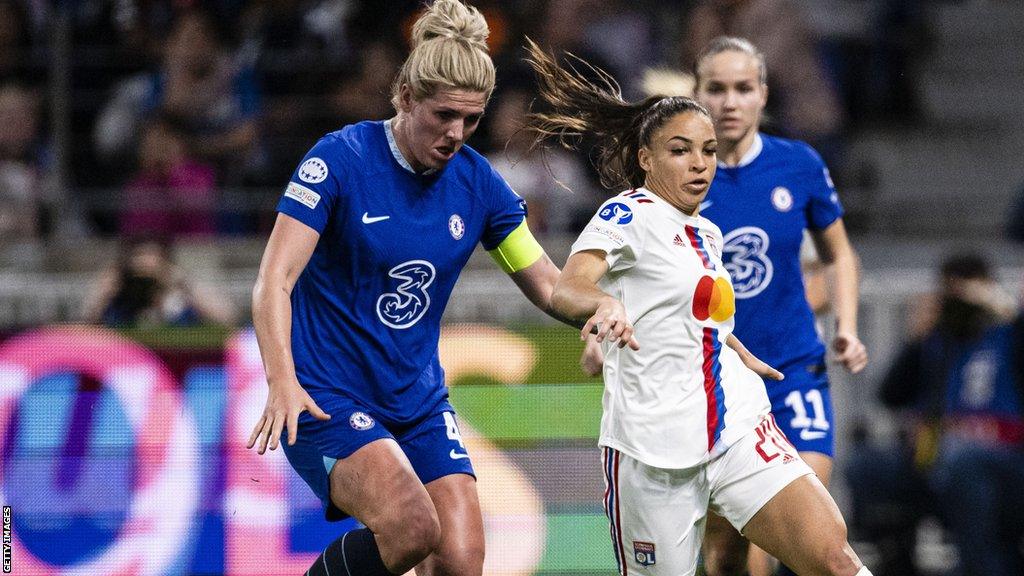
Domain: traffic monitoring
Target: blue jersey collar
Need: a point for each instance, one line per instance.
(750, 156)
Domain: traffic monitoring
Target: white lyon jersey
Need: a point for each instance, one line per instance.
(685, 396)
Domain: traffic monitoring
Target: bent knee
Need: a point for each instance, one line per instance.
(409, 536)
(724, 566)
(459, 558)
(840, 559)
(420, 532)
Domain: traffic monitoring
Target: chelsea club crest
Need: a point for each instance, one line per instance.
(456, 226)
(360, 421)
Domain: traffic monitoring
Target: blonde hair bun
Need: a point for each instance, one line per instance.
(453, 20)
(449, 50)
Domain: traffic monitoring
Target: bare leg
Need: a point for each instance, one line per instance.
(802, 527)
(759, 562)
(378, 487)
(461, 552)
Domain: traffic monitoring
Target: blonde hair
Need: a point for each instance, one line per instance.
(449, 51)
(731, 44)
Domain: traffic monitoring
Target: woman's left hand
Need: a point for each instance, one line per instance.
(760, 367)
(753, 362)
(850, 351)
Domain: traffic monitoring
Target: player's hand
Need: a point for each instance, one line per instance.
(850, 351)
(284, 404)
(609, 322)
(592, 360)
(760, 366)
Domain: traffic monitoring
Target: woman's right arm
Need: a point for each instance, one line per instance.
(576, 297)
(288, 251)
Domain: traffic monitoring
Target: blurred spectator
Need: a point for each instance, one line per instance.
(146, 289)
(23, 160)
(172, 194)
(962, 384)
(554, 183)
(210, 92)
(294, 67)
(19, 60)
(802, 102)
(1015, 221)
(898, 42)
(622, 34)
(366, 93)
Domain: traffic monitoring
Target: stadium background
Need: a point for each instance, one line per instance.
(121, 448)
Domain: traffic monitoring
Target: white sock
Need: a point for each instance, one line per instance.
(863, 572)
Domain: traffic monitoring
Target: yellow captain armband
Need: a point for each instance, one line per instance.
(518, 250)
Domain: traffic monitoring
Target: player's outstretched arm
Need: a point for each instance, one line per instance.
(290, 246)
(537, 282)
(753, 362)
(577, 298)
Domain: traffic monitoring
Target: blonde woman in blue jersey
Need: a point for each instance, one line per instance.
(373, 229)
(686, 427)
(769, 193)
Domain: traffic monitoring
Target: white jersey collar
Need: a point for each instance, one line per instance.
(390, 133)
(750, 156)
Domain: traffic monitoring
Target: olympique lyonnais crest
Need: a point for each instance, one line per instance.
(643, 552)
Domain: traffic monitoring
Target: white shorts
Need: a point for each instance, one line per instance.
(657, 515)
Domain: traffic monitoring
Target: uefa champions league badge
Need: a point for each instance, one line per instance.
(360, 421)
(782, 199)
(313, 171)
(456, 226)
(643, 552)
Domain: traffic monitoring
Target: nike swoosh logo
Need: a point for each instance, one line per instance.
(806, 434)
(455, 455)
(367, 219)
(704, 205)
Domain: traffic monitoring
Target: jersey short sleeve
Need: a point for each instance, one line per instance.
(823, 207)
(617, 230)
(507, 211)
(313, 190)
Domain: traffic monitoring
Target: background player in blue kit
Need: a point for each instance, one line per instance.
(768, 191)
(374, 227)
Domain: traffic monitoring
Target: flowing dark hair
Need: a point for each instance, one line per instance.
(584, 108)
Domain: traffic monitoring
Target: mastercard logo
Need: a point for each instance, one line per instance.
(714, 299)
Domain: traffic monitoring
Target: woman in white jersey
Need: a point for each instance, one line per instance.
(686, 425)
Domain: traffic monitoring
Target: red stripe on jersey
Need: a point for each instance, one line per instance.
(698, 246)
(709, 385)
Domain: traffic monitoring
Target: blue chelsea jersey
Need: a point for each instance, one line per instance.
(366, 311)
(763, 207)
(982, 379)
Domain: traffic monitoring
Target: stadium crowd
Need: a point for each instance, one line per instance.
(185, 118)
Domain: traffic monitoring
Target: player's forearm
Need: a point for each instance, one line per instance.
(272, 320)
(574, 300)
(846, 267)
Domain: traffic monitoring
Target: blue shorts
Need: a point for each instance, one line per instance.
(802, 406)
(433, 445)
